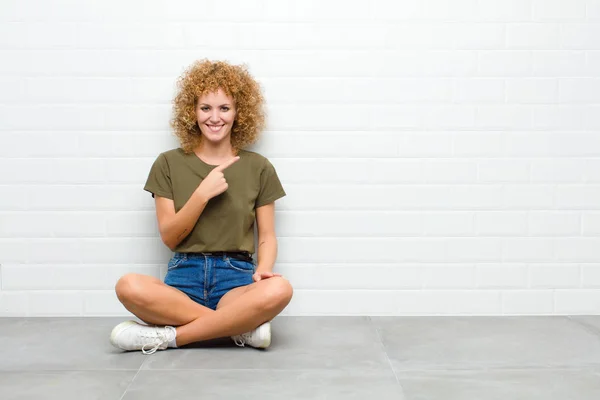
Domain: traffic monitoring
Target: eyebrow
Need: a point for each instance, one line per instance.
(204, 104)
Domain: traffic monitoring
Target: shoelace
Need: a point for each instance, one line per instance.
(240, 340)
(160, 336)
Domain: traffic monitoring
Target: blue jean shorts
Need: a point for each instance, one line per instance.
(206, 278)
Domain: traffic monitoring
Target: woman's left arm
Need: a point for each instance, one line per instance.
(267, 241)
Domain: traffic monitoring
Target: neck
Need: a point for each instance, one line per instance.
(212, 151)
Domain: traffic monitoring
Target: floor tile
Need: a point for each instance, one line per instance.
(501, 385)
(64, 385)
(313, 357)
(591, 321)
(62, 344)
(264, 385)
(347, 343)
(487, 342)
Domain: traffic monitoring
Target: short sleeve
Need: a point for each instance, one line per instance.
(270, 186)
(159, 178)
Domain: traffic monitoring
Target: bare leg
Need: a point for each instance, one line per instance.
(239, 311)
(149, 299)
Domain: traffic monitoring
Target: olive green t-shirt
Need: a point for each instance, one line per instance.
(227, 222)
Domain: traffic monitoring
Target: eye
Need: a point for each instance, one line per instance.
(204, 108)
(225, 108)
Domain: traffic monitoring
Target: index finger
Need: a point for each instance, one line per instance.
(227, 163)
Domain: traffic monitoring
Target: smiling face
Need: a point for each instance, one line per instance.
(215, 113)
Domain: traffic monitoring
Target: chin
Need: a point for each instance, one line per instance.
(213, 139)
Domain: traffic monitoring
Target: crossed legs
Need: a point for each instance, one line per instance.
(240, 310)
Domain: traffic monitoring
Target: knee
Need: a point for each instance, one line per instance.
(130, 290)
(279, 292)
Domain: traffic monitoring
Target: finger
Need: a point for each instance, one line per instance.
(227, 163)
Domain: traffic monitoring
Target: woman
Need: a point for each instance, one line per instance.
(208, 194)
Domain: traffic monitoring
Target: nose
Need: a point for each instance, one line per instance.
(214, 116)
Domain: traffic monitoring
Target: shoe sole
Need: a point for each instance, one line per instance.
(117, 331)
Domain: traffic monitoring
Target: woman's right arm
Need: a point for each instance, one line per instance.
(174, 227)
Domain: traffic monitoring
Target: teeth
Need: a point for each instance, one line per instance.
(215, 128)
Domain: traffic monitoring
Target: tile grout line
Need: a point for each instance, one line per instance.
(133, 379)
(586, 326)
(129, 385)
(507, 368)
(386, 355)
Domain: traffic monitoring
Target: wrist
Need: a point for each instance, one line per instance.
(199, 194)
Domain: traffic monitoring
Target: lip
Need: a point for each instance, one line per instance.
(214, 128)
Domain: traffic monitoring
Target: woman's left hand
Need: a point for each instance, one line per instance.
(258, 276)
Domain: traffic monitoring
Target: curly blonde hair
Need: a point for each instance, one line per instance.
(205, 76)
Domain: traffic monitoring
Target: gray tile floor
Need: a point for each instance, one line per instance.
(313, 358)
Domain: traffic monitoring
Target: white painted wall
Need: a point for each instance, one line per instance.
(440, 157)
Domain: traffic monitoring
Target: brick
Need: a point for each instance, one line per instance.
(501, 223)
(554, 276)
(498, 276)
(538, 36)
(527, 302)
(557, 10)
(520, 249)
(554, 223)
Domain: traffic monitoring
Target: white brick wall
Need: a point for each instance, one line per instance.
(440, 157)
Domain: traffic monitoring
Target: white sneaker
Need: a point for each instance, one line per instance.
(259, 337)
(130, 335)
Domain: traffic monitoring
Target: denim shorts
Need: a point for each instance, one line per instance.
(205, 279)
